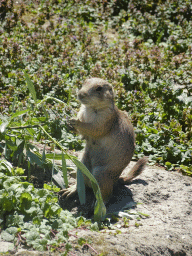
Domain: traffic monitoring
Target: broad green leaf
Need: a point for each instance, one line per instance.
(81, 220)
(13, 104)
(84, 170)
(33, 158)
(26, 185)
(19, 113)
(7, 165)
(37, 246)
(7, 237)
(59, 156)
(144, 214)
(31, 131)
(19, 171)
(12, 230)
(45, 112)
(7, 205)
(32, 236)
(25, 201)
(81, 241)
(44, 241)
(3, 127)
(20, 159)
(14, 187)
(30, 86)
(37, 220)
(42, 192)
(100, 209)
(52, 156)
(25, 196)
(11, 145)
(20, 149)
(36, 120)
(43, 155)
(49, 98)
(47, 210)
(81, 187)
(94, 226)
(64, 170)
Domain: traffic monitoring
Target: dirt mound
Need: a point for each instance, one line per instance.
(166, 198)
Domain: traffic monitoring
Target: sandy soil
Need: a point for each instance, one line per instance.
(166, 198)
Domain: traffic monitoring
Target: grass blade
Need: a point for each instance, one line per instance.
(33, 158)
(100, 209)
(43, 156)
(81, 187)
(64, 170)
(19, 113)
(30, 86)
(57, 156)
(51, 156)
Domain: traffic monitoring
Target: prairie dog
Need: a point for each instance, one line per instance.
(109, 135)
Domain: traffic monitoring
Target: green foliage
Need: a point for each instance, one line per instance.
(30, 87)
(148, 61)
(32, 216)
(64, 169)
(143, 48)
(100, 209)
(33, 157)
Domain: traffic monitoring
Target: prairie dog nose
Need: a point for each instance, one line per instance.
(81, 94)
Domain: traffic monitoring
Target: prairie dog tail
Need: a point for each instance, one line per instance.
(135, 171)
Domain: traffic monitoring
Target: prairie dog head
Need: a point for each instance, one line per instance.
(96, 93)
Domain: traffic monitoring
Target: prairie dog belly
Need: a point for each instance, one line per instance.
(111, 149)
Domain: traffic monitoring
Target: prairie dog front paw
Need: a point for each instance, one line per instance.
(73, 123)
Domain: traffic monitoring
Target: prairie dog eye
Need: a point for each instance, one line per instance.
(99, 88)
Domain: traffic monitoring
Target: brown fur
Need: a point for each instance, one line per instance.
(109, 135)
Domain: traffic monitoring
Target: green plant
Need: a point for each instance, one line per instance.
(32, 155)
(33, 217)
(142, 47)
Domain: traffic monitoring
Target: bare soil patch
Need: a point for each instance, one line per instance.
(166, 198)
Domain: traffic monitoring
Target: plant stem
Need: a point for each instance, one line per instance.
(50, 98)
(23, 127)
(56, 142)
